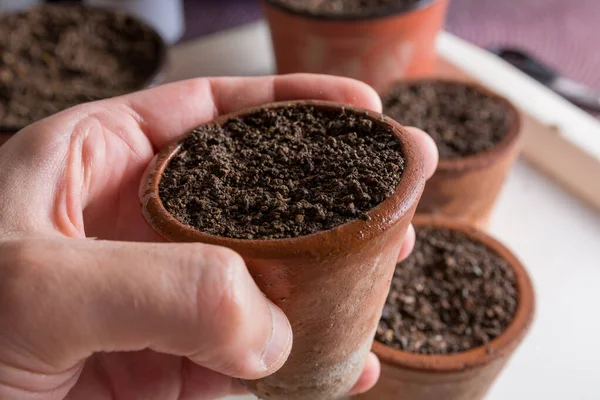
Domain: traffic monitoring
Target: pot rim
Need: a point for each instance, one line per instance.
(153, 78)
(319, 244)
(379, 14)
(498, 348)
(482, 159)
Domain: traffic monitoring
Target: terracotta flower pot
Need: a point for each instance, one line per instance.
(155, 78)
(376, 48)
(331, 284)
(461, 376)
(467, 188)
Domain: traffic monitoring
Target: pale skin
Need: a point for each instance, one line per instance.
(123, 316)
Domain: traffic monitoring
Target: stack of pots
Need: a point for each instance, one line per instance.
(382, 50)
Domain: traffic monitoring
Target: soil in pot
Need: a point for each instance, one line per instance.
(463, 120)
(451, 295)
(281, 173)
(344, 7)
(56, 56)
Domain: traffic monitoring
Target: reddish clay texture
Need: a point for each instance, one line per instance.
(462, 376)
(332, 284)
(377, 50)
(467, 188)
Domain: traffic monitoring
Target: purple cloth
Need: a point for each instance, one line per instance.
(204, 17)
(561, 33)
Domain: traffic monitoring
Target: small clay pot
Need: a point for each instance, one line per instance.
(155, 78)
(461, 376)
(377, 48)
(332, 284)
(467, 188)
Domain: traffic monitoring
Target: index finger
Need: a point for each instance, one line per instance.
(170, 110)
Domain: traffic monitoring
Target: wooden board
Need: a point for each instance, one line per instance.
(546, 149)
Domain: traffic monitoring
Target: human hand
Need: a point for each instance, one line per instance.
(84, 319)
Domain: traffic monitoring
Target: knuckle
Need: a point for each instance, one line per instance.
(223, 309)
(224, 312)
(215, 276)
(228, 258)
(225, 294)
(231, 285)
(238, 338)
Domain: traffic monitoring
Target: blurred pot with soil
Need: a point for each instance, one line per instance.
(477, 133)
(53, 57)
(377, 41)
(458, 308)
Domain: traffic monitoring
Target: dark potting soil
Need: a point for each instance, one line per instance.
(344, 7)
(56, 56)
(461, 119)
(451, 295)
(282, 172)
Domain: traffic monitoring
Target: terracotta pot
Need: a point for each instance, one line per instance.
(155, 78)
(461, 376)
(467, 188)
(376, 48)
(332, 284)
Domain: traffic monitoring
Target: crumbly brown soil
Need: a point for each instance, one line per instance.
(344, 7)
(281, 173)
(451, 295)
(56, 56)
(461, 119)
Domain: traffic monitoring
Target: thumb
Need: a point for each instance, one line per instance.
(190, 300)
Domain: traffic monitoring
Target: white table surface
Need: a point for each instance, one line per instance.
(554, 233)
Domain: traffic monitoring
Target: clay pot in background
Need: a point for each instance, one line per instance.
(467, 188)
(376, 49)
(166, 16)
(462, 376)
(332, 285)
(154, 79)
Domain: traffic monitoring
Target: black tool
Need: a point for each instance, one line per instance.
(575, 92)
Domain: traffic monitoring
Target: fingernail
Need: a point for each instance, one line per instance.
(280, 343)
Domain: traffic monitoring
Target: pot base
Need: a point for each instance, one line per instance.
(332, 383)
